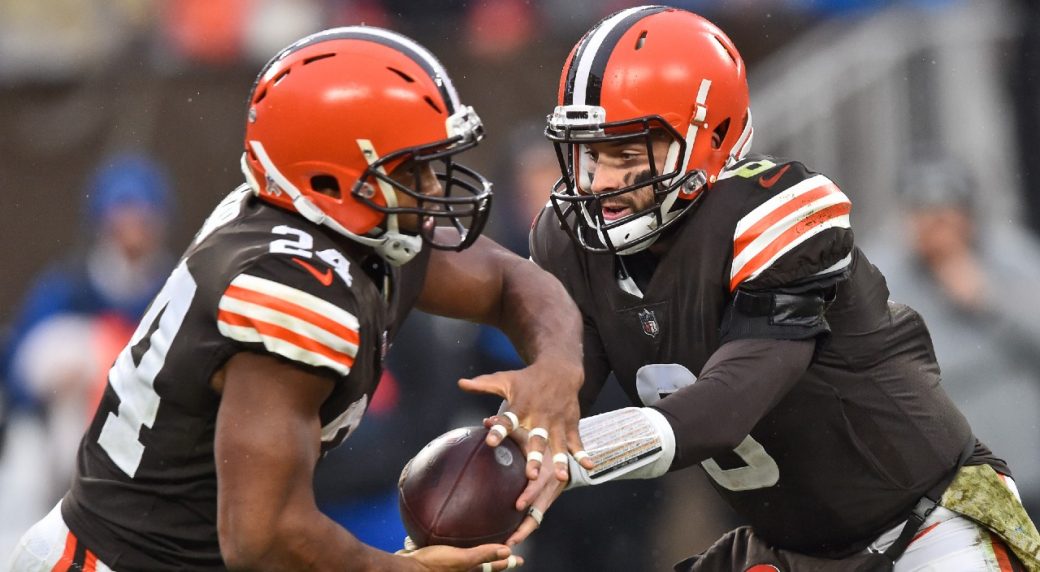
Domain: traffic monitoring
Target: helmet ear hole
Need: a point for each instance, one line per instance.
(719, 134)
(326, 185)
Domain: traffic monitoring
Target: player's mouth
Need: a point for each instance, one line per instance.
(615, 211)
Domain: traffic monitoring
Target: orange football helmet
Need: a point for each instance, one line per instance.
(642, 70)
(334, 113)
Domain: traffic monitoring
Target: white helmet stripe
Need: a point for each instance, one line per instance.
(691, 131)
(588, 54)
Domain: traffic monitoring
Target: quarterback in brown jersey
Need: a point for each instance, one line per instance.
(265, 346)
(726, 294)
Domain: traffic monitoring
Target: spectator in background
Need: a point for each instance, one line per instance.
(974, 281)
(81, 310)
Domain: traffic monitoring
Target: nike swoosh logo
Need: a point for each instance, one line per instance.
(324, 277)
(771, 180)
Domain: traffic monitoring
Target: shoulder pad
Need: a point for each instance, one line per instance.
(790, 213)
(289, 307)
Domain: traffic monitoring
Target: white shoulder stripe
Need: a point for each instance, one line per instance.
(292, 323)
(763, 240)
(581, 78)
(779, 200)
(281, 347)
(298, 297)
(841, 221)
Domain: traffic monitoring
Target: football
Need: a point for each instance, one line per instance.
(461, 492)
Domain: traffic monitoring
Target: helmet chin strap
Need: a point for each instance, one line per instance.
(396, 249)
(398, 246)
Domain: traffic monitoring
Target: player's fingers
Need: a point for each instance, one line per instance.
(525, 529)
(561, 464)
(489, 552)
(501, 426)
(557, 447)
(577, 450)
(539, 433)
(537, 449)
(531, 492)
(493, 384)
(503, 563)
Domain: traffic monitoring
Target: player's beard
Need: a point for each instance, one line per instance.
(630, 200)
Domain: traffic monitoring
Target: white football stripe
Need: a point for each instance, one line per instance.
(281, 347)
(588, 55)
(298, 297)
(296, 325)
(836, 222)
(763, 240)
(783, 197)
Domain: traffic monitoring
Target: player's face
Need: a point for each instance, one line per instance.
(420, 176)
(618, 164)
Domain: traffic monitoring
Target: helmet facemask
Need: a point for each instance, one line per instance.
(641, 70)
(674, 190)
(464, 204)
(323, 139)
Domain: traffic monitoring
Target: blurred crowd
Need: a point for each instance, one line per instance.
(119, 117)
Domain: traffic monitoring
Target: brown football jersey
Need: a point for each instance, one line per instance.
(768, 254)
(256, 278)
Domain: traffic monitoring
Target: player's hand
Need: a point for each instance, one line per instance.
(535, 500)
(543, 399)
(483, 558)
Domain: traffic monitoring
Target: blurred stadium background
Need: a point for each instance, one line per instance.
(856, 89)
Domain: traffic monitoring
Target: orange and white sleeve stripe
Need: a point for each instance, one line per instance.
(783, 222)
(289, 322)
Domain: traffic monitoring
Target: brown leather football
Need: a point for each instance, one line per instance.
(460, 492)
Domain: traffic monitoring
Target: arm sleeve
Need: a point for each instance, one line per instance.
(742, 381)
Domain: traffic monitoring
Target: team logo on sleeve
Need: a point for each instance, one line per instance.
(649, 321)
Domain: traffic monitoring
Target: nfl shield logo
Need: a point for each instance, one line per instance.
(649, 321)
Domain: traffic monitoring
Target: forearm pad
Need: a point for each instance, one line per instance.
(629, 443)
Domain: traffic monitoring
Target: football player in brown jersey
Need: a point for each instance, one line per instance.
(265, 346)
(726, 294)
